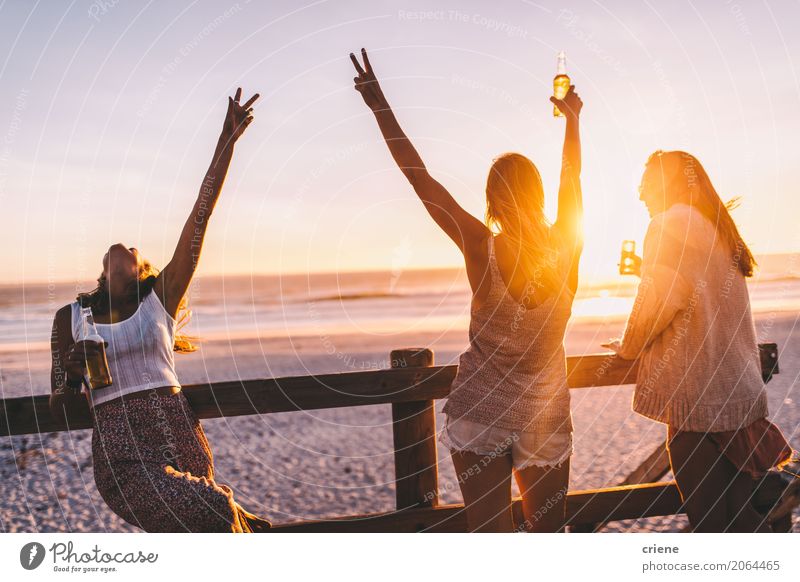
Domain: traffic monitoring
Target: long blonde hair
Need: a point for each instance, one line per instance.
(515, 207)
(688, 182)
(98, 299)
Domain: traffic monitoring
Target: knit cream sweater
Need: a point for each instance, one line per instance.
(692, 329)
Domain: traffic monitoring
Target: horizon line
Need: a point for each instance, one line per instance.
(218, 274)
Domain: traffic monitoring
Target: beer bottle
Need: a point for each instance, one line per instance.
(97, 370)
(560, 82)
(629, 263)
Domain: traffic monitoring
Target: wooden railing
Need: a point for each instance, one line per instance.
(410, 386)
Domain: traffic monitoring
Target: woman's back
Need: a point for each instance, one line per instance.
(513, 374)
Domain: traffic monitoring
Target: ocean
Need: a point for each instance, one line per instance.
(240, 307)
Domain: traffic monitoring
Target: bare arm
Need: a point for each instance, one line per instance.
(569, 221)
(174, 279)
(463, 228)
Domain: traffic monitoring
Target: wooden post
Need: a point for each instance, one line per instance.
(414, 429)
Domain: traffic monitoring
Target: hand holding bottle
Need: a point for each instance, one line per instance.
(77, 357)
(93, 347)
(629, 262)
(570, 106)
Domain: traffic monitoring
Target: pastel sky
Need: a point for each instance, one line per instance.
(109, 112)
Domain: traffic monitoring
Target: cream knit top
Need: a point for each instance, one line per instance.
(692, 329)
(513, 375)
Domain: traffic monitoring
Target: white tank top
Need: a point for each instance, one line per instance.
(140, 350)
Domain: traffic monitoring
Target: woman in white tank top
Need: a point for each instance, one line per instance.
(509, 411)
(152, 462)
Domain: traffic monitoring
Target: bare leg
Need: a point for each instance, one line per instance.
(740, 509)
(715, 494)
(486, 487)
(544, 497)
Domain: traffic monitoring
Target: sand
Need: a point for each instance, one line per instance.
(325, 463)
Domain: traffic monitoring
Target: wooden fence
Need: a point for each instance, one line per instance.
(410, 386)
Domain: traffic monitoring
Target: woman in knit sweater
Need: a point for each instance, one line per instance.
(693, 333)
(509, 408)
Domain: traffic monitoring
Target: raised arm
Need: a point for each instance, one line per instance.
(569, 221)
(175, 278)
(463, 228)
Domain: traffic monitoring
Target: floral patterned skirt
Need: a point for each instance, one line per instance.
(154, 468)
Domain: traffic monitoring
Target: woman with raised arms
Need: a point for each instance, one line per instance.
(509, 407)
(152, 463)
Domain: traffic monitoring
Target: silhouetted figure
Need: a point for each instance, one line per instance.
(509, 406)
(693, 332)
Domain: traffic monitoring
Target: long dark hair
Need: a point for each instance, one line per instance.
(137, 290)
(689, 183)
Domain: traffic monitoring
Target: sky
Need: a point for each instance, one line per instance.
(110, 111)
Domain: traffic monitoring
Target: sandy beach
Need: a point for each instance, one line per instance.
(326, 463)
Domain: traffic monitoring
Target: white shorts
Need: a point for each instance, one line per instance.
(527, 448)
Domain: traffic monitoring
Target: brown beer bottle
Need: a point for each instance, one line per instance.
(97, 370)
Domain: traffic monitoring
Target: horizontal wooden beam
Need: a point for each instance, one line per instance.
(31, 414)
(589, 506)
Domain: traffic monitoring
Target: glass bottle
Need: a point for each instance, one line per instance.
(560, 82)
(627, 259)
(97, 370)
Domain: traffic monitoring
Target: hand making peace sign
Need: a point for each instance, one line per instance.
(367, 84)
(238, 116)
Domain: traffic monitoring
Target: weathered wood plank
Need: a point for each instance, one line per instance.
(590, 506)
(31, 414)
(624, 502)
(600, 370)
(653, 468)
